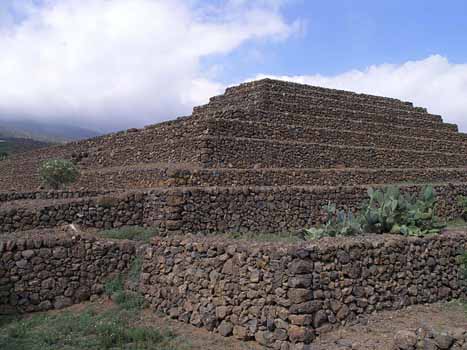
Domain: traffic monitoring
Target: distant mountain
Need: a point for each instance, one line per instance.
(43, 131)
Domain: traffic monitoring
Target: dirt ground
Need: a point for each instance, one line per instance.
(378, 333)
(382, 326)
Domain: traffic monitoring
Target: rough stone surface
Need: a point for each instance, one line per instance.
(429, 339)
(42, 273)
(244, 288)
(263, 157)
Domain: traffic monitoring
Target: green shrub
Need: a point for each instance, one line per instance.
(389, 211)
(57, 173)
(385, 211)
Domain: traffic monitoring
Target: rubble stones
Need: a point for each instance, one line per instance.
(430, 339)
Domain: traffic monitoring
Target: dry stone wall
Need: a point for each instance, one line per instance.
(150, 177)
(208, 209)
(231, 152)
(282, 132)
(330, 108)
(50, 272)
(15, 196)
(366, 126)
(277, 209)
(100, 212)
(284, 295)
(302, 177)
(292, 88)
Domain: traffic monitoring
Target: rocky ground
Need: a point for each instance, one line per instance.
(381, 329)
(379, 332)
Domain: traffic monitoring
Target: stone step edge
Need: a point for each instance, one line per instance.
(273, 105)
(275, 82)
(273, 96)
(401, 122)
(213, 138)
(176, 167)
(443, 133)
(242, 121)
(33, 204)
(382, 102)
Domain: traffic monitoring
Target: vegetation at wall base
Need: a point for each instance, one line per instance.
(387, 210)
(125, 299)
(115, 328)
(58, 173)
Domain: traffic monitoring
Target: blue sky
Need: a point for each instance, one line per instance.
(342, 35)
(124, 63)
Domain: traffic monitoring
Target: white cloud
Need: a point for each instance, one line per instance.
(122, 63)
(434, 83)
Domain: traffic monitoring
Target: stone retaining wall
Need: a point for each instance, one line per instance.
(208, 209)
(156, 208)
(326, 108)
(282, 132)
(261, 91)
(278, 209)
(284, 295)
(42, 273)
(367, 126)
(15, 196)
(292, 88)
(230, 152)
(150, 177)
(101, 212)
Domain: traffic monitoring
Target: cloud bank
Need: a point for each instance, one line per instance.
(124, 63)
(434, 83)
(121, 63)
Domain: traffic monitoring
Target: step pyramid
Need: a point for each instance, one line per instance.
(266, 155)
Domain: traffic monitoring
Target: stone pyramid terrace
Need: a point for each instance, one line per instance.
(263, 157)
